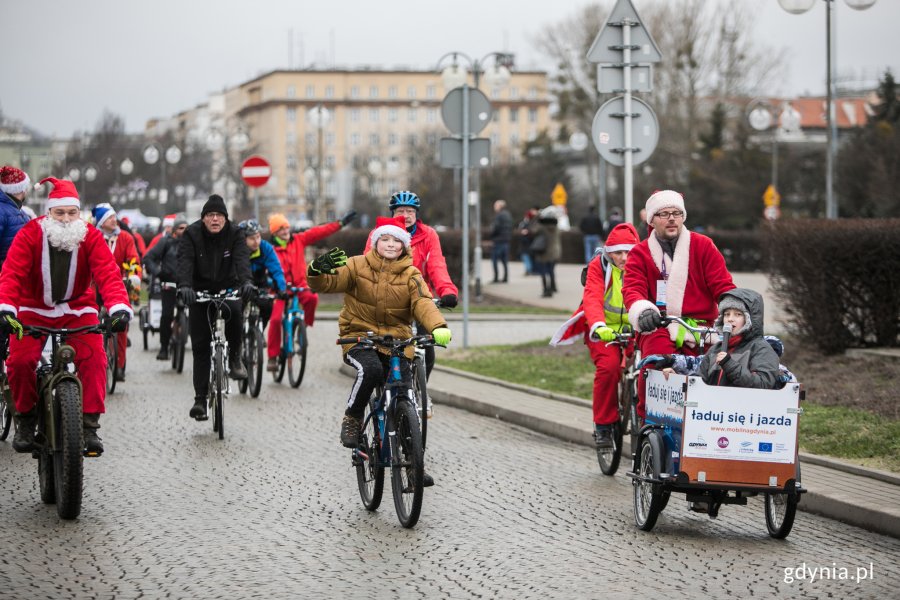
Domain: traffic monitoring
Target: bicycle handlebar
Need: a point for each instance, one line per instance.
(701, 330)
(388, 341)
(38, 330)
(228, 294)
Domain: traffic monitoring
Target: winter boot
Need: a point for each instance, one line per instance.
(237, 370)
(198, 410)
(92, 444)
(350, 427)
(23, 441)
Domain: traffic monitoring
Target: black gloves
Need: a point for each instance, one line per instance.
(347, 218)
(187, 295)
(247, 291)
(327, 263)
(118, 321)
(9, 324)
(649, 320)
(449, 300)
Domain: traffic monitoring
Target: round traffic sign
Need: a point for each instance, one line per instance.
(608, 131)
(256, 171)
(479, 110)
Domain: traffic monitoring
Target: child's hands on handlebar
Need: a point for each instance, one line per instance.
(441, 336)
(606, 334)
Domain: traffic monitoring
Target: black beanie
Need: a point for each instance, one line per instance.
(214, 204)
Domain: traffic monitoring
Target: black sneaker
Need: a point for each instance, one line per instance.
(92, 444)
(23, 440)
(163, 354)
(427, 480)
(238, 371)
(603, 437)
(198, 410)
(350, 427)
(120, 374)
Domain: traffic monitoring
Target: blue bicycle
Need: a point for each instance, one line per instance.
(293, 340)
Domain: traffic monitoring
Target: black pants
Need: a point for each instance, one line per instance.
(201, 320)
(548, 277)
(265, 310)
(168, 313)
(371, 367)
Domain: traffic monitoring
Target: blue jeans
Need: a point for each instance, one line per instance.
(528, 263)
(591, 243)
(500, 252)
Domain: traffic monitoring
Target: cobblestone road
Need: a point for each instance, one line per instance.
(273, 512)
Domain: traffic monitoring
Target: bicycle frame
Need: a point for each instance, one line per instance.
(292, 310)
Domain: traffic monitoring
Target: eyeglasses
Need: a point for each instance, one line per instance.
(215, 215)
(670, 213)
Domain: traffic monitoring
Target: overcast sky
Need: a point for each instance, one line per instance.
(65, 62)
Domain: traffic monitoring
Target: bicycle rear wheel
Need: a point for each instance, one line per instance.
(112, 357)
(5, 408)
(369, 473)
(217, 391)
(296, 360)
(420, 386)
(407, 463)
(68, 459)
(256, 363)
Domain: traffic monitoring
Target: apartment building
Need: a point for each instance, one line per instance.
(347, 131)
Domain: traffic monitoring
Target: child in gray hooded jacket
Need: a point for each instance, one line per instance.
(748, 361)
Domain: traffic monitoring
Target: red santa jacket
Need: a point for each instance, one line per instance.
(124, 250)
(428, 259)
(293, 256)
(697, 277)
(25, 280)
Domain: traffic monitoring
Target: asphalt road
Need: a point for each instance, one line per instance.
(273, 511)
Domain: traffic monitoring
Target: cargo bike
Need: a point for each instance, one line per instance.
(717, 445)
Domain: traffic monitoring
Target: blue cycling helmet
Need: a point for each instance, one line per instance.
(404, 198)
(249, 227)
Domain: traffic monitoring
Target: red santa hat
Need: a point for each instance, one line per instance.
(63, 193)
(13, 180)
(622, 237)
(394, 226)
(169, 221)
(663, 199)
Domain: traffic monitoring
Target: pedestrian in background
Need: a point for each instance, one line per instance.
(501, 233)
(615, 218)
(525, 236)
(547, 248)
(592, 228)
(14, 186)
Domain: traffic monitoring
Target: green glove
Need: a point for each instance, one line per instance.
(327, 263)
(605, 333)
(10, 325)
(441, 336)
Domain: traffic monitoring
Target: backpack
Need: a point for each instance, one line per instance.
(603, 265)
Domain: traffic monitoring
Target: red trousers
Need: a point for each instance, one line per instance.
(90, 361)
(122, 343)
(657, 342)
(308, 300)
(608, 362)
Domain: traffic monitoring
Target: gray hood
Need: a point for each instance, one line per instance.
(753, 303)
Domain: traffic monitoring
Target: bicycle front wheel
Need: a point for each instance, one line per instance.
(369, 473)
(217, 392)
(296, 360)
(421, 389)
(112, 357)
(68, 459)
(256, 362)
(179, 341)
(407, 464)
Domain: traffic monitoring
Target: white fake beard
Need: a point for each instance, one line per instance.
(64, 236)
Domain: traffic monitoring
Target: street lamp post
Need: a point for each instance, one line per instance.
(455, 76)
(797, 7)
(319, 117)
(152, 156)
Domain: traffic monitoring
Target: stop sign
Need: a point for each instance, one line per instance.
(256, 171)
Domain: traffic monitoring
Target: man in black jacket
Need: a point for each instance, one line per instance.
(161, 261)
(213, 257)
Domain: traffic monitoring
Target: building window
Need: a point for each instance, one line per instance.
(411, 114)
(411, 92)
(291, 92)
(374, 115)
(513, 115)
(291, 115)
(354, 114)
(495, 116)
(533, 93)
(310, 139)
(354, 139)
(293, 190)
(291, 138)
(431, 91)
(412, 140)
(431, 115)
(392, 91)
(495, 140)
(330, 161)
(431, 139)
(310, 91)
(373, 91)
(329, 139)
(392, 115)
(354, 91)
(514, 141)
(392, 139)
(513, 93)
(291, 161)
(532, 115)
(329, 91)
(374, 139)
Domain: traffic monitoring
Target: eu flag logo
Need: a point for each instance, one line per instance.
(765, 446)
